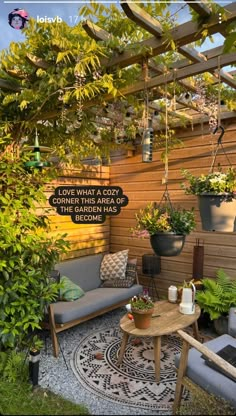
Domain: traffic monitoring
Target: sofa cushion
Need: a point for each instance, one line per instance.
(69, 290)
(113, 265)
(92, 302)
(84, 271)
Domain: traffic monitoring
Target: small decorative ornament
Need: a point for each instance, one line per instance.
(98, 355)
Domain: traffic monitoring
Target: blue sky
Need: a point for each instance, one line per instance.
(67, 10)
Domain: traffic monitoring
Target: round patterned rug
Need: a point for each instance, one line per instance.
(133, 382)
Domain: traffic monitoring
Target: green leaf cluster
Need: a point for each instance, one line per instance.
(217, 182)
(141, 302)
(151, 220)
(217, 296)
(13, 366)
(27, 252)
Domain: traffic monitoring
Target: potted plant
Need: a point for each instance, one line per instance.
(166, 226)
(142, 308)
(216, 298)
(216, 192)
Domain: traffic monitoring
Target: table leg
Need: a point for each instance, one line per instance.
(157, 357)
(196, 331)
(122, 347)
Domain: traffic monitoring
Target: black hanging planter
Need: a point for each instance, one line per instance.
(167, 244)
(217, 212)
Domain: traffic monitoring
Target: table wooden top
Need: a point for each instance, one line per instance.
(169, 321)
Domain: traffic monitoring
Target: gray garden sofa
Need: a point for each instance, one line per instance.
(85, 271)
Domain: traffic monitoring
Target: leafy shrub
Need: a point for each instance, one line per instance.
(217, 295)
(27, 252)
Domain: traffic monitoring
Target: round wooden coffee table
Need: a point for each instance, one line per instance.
(166, 319)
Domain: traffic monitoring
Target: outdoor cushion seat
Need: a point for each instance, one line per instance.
(194, 371)
(208, 378)
(94, 300)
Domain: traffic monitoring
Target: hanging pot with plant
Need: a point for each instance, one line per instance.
(166, 227)
(167, 244)
(216, 193)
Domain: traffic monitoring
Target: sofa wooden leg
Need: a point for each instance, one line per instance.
(52, 327)
(181, 373)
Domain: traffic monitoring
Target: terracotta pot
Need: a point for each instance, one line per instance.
(142, 318)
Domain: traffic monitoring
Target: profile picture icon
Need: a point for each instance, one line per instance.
(18, 18)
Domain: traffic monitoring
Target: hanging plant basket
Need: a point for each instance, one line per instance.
(217, 212)
(167, 244)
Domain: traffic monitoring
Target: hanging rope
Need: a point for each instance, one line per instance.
(148, 134)
(219, 94)
(166, 197)
(219, 141)
(146, 97)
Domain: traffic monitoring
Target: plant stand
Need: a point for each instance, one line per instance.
(217, 213)
(167, 244)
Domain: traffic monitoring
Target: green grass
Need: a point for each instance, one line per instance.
(205, 404)
(20, 399)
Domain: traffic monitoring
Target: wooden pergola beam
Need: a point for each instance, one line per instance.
(182, 73)
(200, 8)
(181, 35)
(15, 74)
(193, 69)
(204, 119)
(7, 85)
(37, 62)
(144, 20)
(95, 32)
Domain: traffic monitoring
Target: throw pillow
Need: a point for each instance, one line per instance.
(131, 269)
(130, 276)
(69, 290)
(113, 266)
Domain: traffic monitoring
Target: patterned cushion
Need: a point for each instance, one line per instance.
(118, 283)
(131, 269)
(70, 291)
(113, 266)
(130, 276)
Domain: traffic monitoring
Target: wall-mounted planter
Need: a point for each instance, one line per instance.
(167, 244)
(217, 212)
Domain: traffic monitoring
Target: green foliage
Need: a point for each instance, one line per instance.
(203, 403)
(19, 399)
(141, 302)
(230, 40)
(27, 252)
(215, 182)
(13, 366)
(151, 220)
(217, 295)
